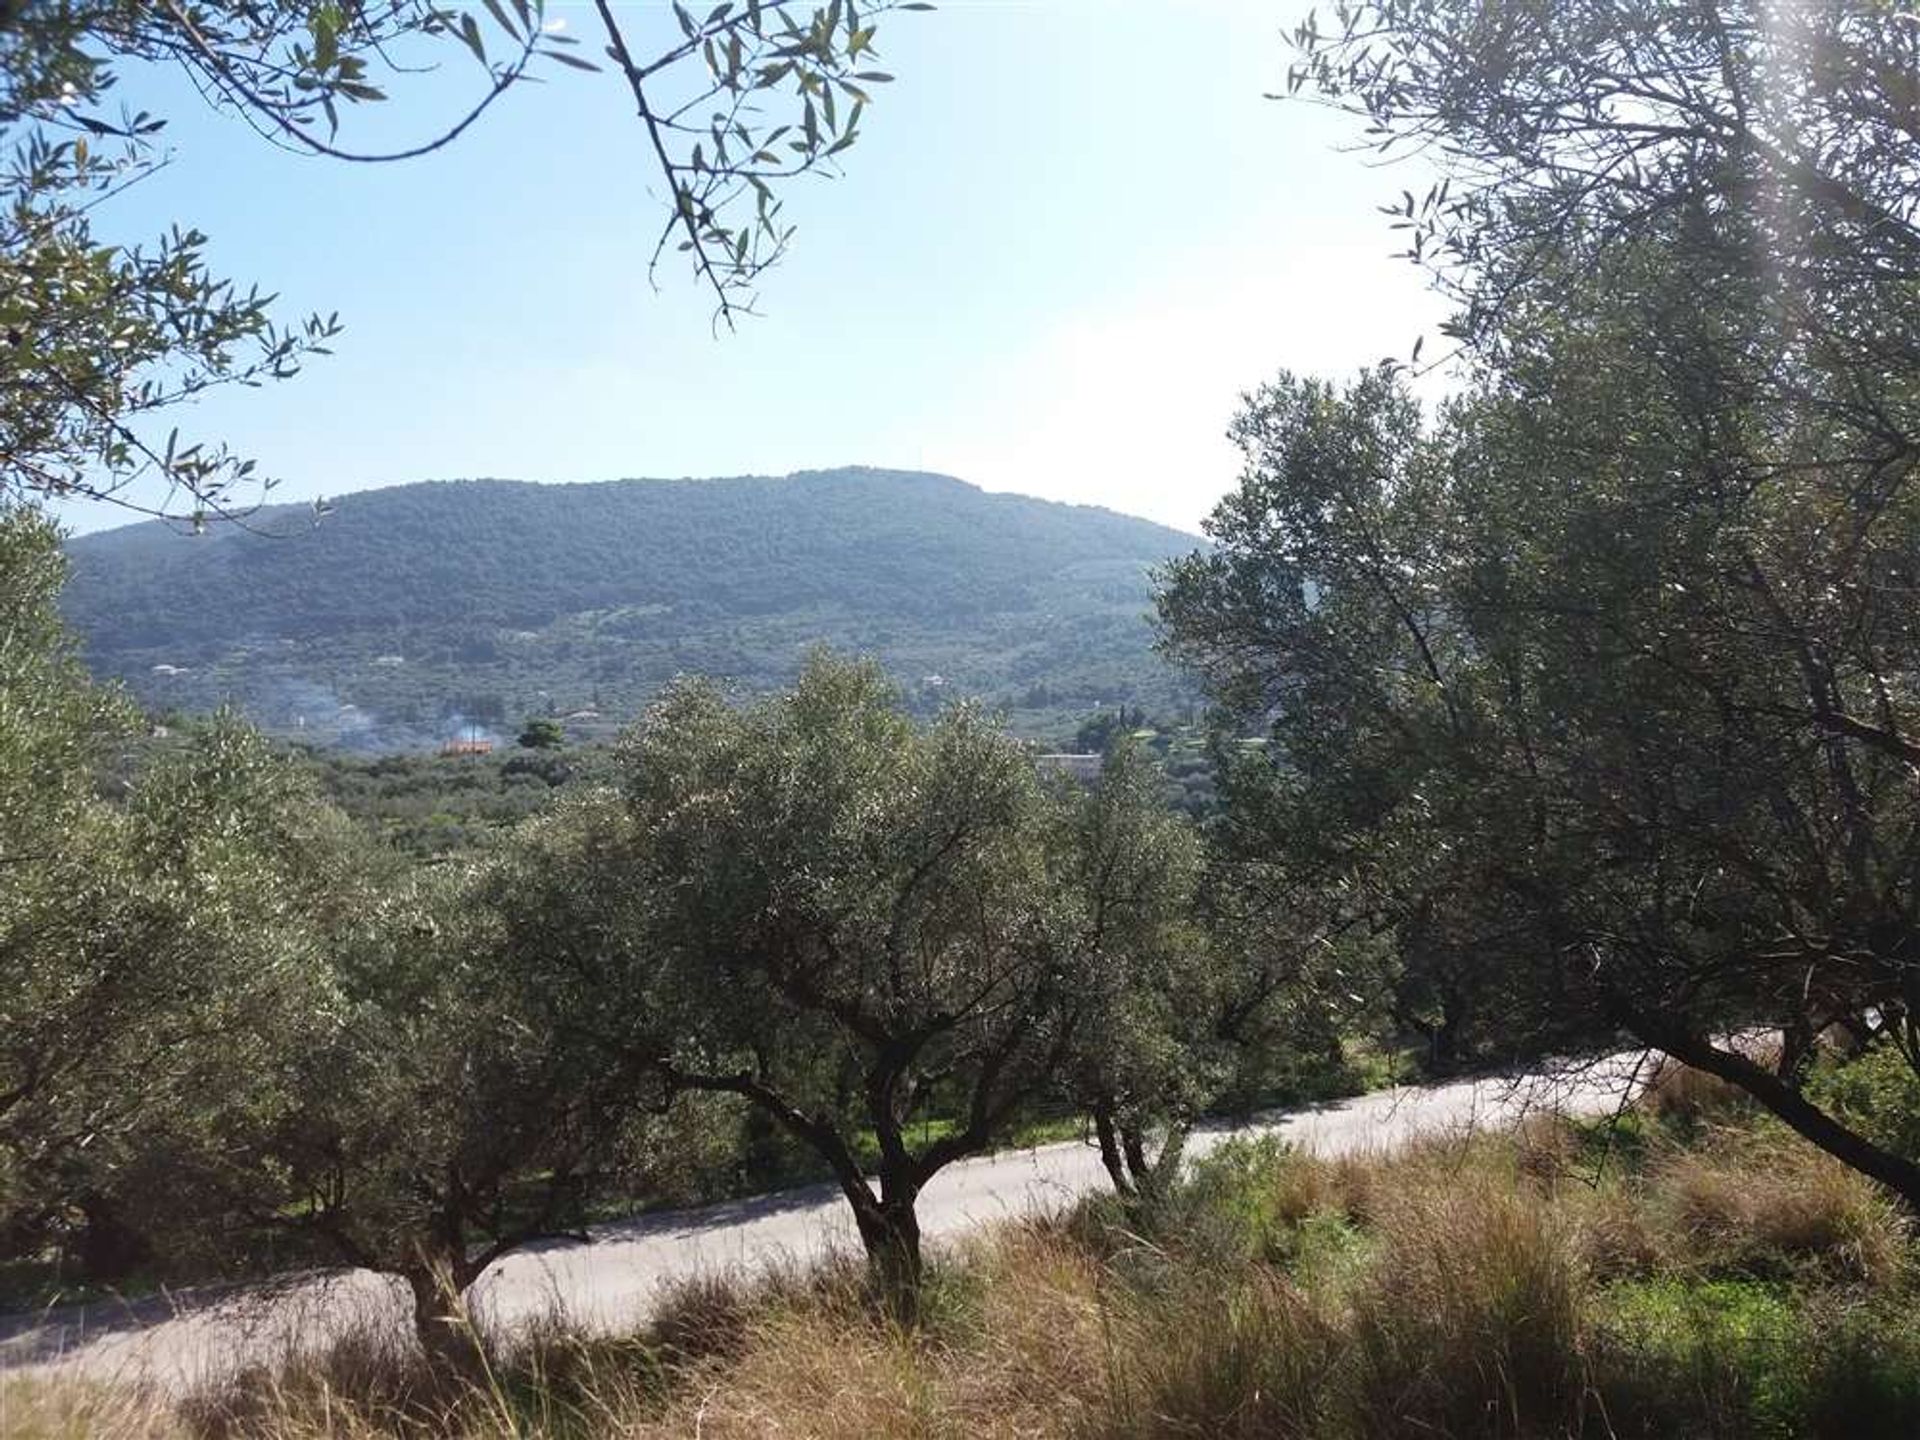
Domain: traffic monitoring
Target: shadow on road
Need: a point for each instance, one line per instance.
(35, 1337)
(658, 1224)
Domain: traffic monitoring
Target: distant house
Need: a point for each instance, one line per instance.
(467, 747)
(1078, 767)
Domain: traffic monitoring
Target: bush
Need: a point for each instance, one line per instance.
(1865, 1373)
(1720, 1358)
(1753, 1359)
(1877, 1093)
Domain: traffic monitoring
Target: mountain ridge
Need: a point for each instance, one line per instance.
(406, 606)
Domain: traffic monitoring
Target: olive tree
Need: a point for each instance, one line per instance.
(856, 928)
(1684, 240)
(1143, 1064)
(1216, 975)
(150, 955)
(449, 1101)
(1558, 676)
(1757, 141)
(58, 727)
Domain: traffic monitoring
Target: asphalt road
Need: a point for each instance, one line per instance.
(611, 1280)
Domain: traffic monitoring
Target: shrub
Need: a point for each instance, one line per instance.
(1864, 1381)
(1877, 1094)
(1719, 1358)
(1238, 1202)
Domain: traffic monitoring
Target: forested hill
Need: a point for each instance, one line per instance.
(404, 611)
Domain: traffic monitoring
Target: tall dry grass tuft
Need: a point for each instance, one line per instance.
(549, 1378)
(1035, 1353)
(805, 1378)
(36, 1409)
(1679, 1095)
(1613, 1235)
(369, 1369)
(1469, 1320)
(1762, 1202)
(1546, 1149)
(1238, 1358)
(716, 1315)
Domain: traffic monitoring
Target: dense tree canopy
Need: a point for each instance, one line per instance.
(1600, 682)
(854, 920)
(446, 1105)
(153, 936)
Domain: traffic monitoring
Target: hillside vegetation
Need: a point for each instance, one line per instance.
(404, 611)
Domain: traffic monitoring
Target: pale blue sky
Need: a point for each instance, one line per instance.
(1071, 234)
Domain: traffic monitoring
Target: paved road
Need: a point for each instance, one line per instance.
(612, 1279)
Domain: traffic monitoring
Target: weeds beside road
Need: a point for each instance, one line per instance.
(1689, 1270)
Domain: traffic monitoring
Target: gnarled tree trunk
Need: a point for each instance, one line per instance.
(1110, 1155)
(451, 1341)
(890, 1232)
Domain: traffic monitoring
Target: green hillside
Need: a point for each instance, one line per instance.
(405, 611)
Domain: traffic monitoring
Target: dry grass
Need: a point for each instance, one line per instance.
(32, 1409)
(1256, 1359)
(812, 1381)
(1762, 1204)
(718, 1316)
(1469, 1322)
(1676, 1092)
(1718, 1277)
(1041, 1316)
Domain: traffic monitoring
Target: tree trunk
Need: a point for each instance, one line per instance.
(1848, 1146)
(1110, 1155)
(890, 1231)
(1150, 1177)
(446, 1331)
